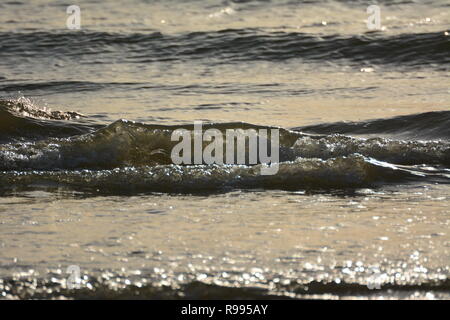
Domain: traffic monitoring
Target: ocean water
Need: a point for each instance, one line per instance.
(359, 207)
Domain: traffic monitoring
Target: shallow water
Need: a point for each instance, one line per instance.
(280, 242)
(358, 209)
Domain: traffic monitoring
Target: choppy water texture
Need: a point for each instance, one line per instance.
(358, 209)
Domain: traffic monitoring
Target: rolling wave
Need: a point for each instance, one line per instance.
(65, 152)
(250, 44)
(354, 171)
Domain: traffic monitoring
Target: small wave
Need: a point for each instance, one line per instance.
(393, 151)
(25, 108)
(21, 118)
(353, 171)
(427, 126)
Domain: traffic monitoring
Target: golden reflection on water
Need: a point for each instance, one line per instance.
(237, 238)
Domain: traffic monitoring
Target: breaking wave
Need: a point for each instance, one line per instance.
(44, 149)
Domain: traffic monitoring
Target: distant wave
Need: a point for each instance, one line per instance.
(60, 86)
(250, 44)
